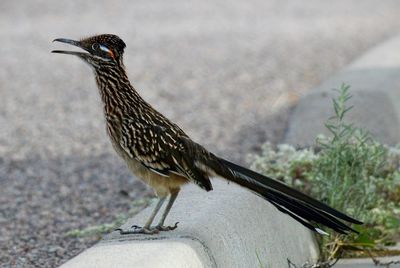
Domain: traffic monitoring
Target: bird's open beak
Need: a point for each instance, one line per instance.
(74, 43)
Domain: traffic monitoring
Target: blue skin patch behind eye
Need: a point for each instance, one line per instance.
(104, 48)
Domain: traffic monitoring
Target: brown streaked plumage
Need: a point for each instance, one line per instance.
(159, 153)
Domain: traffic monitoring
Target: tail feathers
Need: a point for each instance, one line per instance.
(299, 206)
(307, 212)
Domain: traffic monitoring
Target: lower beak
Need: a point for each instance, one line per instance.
(76, 53)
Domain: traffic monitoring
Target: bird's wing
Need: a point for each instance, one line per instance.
(162, 150)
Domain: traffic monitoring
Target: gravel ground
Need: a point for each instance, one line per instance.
(227, 72)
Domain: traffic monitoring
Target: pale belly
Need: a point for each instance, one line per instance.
(161, 185)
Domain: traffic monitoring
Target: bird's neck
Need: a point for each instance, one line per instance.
(116, 91)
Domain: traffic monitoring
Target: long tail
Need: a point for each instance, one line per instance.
(299, 206)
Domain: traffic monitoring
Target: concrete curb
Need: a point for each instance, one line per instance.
(227, 227)
(375, 85)
(244, 229)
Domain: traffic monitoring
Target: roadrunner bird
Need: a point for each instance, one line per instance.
(159, 153)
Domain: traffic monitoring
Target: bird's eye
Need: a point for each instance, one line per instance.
(95, 46)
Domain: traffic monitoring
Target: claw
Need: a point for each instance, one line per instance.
(167, 228)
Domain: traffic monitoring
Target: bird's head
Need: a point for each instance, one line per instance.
(100, 50)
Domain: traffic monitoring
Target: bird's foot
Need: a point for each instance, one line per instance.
(167, 228)
(138, 230)
(145, 230)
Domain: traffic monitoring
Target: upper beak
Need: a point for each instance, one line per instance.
(71, 42)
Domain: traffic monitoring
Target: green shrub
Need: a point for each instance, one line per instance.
(349, 171)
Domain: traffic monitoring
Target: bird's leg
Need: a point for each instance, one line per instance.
(160, 226)
(154, 213)
(146, 228)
